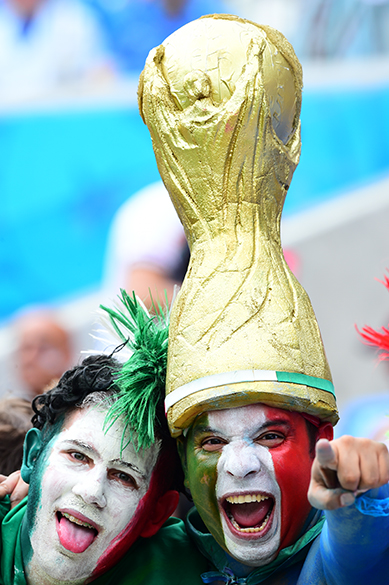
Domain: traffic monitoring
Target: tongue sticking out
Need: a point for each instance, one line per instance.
(252, 514)
(74, 537)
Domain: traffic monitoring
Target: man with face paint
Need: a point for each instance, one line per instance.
(248, 469)
(249, 389)
(103, 473)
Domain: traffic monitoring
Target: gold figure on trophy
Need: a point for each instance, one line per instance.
(222, 98)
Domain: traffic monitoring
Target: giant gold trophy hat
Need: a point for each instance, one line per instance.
(221, 98)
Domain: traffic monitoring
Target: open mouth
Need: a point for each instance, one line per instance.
(249, 514)
(75, 534)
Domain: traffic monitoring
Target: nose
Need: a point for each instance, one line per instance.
(91, 489)
(241, 460)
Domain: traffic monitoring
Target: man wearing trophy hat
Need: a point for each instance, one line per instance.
(249, 391)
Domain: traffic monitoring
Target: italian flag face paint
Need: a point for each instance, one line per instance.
(292, 462)
(248, 470)
(94, 497)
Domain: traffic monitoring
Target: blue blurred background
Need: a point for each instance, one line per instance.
(64, 173)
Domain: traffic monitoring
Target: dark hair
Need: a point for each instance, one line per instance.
(96, 373)
(312, 432)
(15, 417)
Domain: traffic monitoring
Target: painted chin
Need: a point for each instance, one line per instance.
(248, 516)
(76, 533)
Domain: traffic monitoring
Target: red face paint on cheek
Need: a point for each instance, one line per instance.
(292, 464)
(131, 532)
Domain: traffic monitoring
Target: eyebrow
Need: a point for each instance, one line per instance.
(263, 427)
(81, 445)
(271, 424)
(90, 449)
(203, 429)
(128, 466)
(275, 423)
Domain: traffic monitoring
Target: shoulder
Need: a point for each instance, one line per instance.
(168, 558)
(171, 541)
(11, 553)
(12, 517)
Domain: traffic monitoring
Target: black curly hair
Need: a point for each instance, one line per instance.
(96, 373)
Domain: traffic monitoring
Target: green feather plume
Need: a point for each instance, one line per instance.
(141, 380)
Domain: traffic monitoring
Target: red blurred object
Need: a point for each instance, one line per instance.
(380, 338)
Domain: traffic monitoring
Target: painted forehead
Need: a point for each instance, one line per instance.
(247, 419)
(84, 429)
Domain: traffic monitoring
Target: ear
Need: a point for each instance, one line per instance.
(32, 445)
(163, 509)
(181, 448)
(325, 431)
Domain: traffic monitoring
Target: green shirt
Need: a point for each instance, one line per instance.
(168, 558)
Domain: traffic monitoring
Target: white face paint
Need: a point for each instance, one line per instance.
(90, 491)
(245, 474)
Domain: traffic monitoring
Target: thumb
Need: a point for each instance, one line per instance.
(326, 455)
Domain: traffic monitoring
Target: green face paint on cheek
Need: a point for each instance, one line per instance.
(201, 475)
(35, 489)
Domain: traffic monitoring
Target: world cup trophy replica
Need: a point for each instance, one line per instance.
(222, 98)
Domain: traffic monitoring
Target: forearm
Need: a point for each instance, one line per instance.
(355, 546)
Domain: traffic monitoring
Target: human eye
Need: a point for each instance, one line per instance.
(271, 439)
(124, 478)
(77, 457)
(212, 444)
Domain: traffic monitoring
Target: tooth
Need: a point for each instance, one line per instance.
(264, 523)
(76, 520)
(246, 499)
